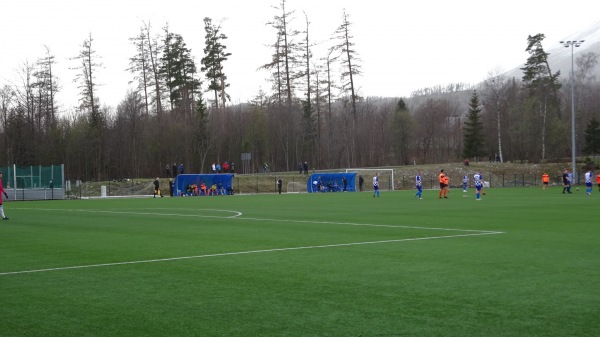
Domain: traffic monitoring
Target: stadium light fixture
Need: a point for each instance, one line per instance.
(572, 44)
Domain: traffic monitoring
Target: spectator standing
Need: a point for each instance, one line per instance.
(279, 184)
(300, 168)
(157, 188)
(171, 187)
(225, 167)
(174, 170)
(181, 168)
(361, 182)
(168, 171)
(305, 167)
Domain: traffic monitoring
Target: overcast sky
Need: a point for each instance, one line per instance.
(403, 45)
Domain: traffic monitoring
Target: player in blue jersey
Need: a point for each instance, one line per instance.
(566, 178)
(419, 186)
(588, 182)
(465, 182)
(478, 185)
(376, 185)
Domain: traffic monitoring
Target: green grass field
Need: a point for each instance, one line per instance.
(520, 262)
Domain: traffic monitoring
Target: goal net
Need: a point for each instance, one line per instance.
(296, 187)
(386, 178)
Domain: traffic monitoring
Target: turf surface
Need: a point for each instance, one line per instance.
(520, 262)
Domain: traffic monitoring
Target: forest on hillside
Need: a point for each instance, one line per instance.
(181, 112)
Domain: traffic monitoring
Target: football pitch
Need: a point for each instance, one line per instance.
(520, 262)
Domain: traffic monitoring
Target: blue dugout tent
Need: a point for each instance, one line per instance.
(183, 180)
(331, 182)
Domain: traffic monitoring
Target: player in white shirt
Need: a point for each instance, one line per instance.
(588, 183)
(478, 185)
(419, 186)
(376, 185)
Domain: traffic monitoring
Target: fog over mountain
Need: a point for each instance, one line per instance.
(560, 56)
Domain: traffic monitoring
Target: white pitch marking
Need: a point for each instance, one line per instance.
(241, 253)
(236, 213)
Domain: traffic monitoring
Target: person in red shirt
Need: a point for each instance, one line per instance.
(597, 180)
(2, 191)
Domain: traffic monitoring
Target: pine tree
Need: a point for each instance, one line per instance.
(473, 130)
(402, 130)
(214, 56)
(178, 69)
(541, 82)
(592, 137)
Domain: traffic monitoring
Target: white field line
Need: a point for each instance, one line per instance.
(236, 216)
(242, 253)
(235, 213)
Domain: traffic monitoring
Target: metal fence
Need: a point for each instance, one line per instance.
(33, 182)
(495, 181)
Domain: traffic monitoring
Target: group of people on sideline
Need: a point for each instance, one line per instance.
(203, 189)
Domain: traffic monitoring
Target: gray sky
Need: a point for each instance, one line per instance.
(403, 45)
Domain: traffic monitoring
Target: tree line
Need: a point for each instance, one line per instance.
(181, 112)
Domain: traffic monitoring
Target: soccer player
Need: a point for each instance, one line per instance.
(478, 185)
(545, 180)
(465, 182)
(376, 185)
(588, 182)
(566, 181)
(598, 181)
(442, 178)
(446, 185)
(419, 186)
(2, 191)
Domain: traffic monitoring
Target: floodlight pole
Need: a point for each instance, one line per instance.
(572, 44)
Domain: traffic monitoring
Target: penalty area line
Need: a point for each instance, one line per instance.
(273, 250)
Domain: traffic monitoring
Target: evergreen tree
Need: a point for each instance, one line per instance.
(473, 130)
(592, 137)
(402, 130)
(178, 69)
(542, 83)
(214, 56)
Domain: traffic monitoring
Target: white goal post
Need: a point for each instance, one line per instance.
(296, 187)
(386, 177)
